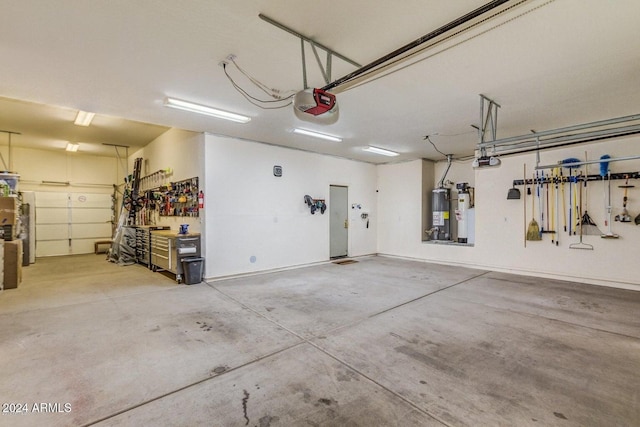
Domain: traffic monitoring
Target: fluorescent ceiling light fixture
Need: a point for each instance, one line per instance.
(317, 135)
(204, 109)
(84, 118)
(72, 147)
(380, 151)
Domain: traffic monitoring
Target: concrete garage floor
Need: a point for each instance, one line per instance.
(380, 342)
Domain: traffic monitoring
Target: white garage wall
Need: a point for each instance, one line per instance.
(182, 151)
(251, 213)
(499, 222)
(84, 172)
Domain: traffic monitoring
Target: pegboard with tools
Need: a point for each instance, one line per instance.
(176, 198)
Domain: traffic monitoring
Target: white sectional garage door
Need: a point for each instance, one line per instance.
(70, 223)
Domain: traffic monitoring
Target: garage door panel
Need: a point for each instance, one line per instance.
(89, 200)
(91, 231)
(79, 218)
(83, 246)
(51, 248)
(52, 232)
(52, 200)
(88, 215)
(52, 215)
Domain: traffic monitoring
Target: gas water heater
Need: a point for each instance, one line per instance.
(440, 201)
(462, 212)
(441, 208)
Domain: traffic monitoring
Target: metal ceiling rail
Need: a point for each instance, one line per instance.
(307, 39)
(537, 135)
(456, 23)
(587, 162)
(552, 142)
(324, 70)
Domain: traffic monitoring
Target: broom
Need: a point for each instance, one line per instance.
(533, 231)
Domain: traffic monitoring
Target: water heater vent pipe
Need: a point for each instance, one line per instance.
(446, 171)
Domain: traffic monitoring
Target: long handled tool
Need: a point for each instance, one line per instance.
(573, 204)
(609, 234)
(556, 208)
(546, 193)
(540, 188)
(564, 205)
(624, 216)
(570, 201)
(580, 244)
(575, 208)
(533, 231)
(524, 198)
(604, 170)
(588, 225)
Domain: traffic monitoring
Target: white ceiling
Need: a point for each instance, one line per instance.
(547, 63)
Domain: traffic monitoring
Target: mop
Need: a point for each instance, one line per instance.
(604, 170)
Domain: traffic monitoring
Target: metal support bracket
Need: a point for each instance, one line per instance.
(324, 69)
(10, 166)
(488, 121)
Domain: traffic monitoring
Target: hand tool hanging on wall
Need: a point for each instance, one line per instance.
(564, 205)
(533, 232)
(580, 244)
(606, 196)
(570, 163)
(549, 183)
(576, 207)
(546, 193)
(524, 198)
(539, 189)
(589, 226)
(624, 216)
(551, 212)
(556, 235)
(570, 201)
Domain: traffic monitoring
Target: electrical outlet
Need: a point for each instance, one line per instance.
(231, 57)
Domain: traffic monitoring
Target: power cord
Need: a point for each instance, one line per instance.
(251, 98)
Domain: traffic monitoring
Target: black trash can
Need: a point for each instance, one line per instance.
(193, 270)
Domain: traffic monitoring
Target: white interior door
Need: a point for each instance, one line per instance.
(339, 221)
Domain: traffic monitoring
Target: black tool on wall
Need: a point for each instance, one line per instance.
(315, 204)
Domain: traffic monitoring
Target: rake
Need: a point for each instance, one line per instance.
(581, 244)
